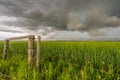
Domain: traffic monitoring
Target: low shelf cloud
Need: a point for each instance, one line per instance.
(48, 16)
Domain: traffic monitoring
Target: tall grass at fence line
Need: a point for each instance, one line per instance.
(63, 61)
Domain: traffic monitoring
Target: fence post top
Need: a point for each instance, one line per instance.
(39, 36)
(31, 36)
(6, 40)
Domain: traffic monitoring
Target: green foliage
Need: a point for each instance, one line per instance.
(63, 61)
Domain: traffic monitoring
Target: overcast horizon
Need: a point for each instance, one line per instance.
(66, 19)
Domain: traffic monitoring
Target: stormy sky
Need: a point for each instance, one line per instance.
(60, 18)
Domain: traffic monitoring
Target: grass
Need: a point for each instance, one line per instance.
(63, 61)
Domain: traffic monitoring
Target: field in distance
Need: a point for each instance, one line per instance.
(63, 60)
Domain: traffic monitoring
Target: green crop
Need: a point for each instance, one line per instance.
(62, 60)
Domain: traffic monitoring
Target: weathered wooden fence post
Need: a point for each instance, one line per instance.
(31, 47)
(38, 53)
(31, 40)
(5, 50)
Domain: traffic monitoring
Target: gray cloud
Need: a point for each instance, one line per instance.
(13, 31)
(78, 15)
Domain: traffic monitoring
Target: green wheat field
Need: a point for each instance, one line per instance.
(63, 60)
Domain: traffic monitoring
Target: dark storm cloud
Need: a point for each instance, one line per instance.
(80, 15)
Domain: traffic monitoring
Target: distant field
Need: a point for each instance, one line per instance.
(63, 61)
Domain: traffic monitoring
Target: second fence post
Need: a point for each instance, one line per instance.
(38, 54)
(31, 45)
